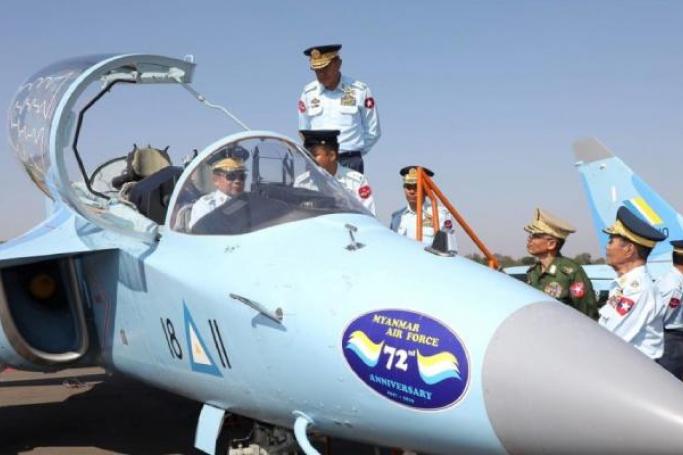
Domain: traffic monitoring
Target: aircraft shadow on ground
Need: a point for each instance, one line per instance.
(117, 415)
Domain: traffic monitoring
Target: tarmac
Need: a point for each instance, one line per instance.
(88, 411)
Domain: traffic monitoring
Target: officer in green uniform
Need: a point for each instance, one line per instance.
(554, 274)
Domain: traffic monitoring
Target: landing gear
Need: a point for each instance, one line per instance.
(265, 440)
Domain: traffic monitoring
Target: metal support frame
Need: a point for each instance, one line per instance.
(427, 187)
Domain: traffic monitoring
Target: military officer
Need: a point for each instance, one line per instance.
(670, 288)
(554, 274)
(634, 312)
(337, 102)
(228, 176)
(324, 147)
(404, 221)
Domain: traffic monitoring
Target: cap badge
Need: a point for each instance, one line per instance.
(315, 53)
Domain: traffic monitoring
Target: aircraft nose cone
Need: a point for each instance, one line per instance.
(556, 382)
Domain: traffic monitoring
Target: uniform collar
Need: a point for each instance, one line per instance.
(426, 205)
(341, 171)
(343, 83)
(632, 278)
(552, 270)
(220, 196)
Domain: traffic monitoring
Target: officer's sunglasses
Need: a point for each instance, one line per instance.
(410, 186)
(236, 175)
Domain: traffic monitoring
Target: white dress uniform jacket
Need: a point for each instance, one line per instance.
(635, 313)
(670, 287)
(355, 182)
(205, 205)
(350, 108)
(404, 222)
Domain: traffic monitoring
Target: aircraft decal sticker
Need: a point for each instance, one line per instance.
(364, 348)
(408, 358)
(200, 359)
(218, 342)
(438, 367)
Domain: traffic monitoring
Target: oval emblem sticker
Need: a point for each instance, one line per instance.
(408, 358)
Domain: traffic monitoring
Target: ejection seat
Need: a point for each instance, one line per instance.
(148, 181)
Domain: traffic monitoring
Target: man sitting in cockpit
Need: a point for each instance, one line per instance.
(228, 176)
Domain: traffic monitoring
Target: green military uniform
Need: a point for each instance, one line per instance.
(566, 281)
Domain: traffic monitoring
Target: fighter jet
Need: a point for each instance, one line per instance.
(292, 306)
(608, 184)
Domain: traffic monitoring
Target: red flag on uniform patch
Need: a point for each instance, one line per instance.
(448, 224)
(302, 107)
(364, 191)
(369, 102)
(577, 290)
(674, 303)
(624, 305)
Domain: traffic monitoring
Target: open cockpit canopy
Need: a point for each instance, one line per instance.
(131, 194)
(45, 118)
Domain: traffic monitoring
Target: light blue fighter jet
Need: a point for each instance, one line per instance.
(608, 184)
(295, 307)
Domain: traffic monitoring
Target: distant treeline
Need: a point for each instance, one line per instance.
(508, 261)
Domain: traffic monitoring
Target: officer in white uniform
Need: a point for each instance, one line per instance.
(404, 221)
(228, 176)
(337, 102)
(634, 312)
(324, 148)
(670, 287)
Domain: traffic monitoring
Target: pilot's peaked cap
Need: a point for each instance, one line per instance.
(321, 56)
(409, 174)
(320, 137)
(633, 228)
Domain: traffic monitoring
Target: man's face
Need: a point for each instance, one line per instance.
(230, 183)
(538, 244)
(410, 191)
(618, 251)
(329, 75)
(325, 157)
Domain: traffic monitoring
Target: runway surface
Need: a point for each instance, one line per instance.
(87, 411)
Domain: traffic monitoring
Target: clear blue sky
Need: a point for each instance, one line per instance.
(490, 95)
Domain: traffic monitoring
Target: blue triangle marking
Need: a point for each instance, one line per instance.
(199, 367)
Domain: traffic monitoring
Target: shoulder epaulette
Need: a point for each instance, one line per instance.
(359, 85)
(355, 175)
(398, 212)
(310, 86)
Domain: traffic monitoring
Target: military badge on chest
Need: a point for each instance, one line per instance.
(427, 221)
(315, 102)
(553, 289)
(349, 98)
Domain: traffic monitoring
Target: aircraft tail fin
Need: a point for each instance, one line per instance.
(609, 183)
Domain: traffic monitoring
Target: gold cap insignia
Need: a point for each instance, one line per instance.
(546, 223)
